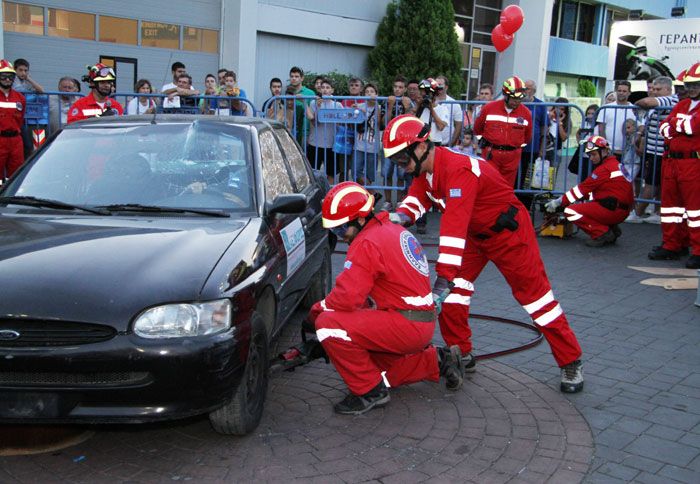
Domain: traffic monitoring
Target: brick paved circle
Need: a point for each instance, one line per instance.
(502, 426)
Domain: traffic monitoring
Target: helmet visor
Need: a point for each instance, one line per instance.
(402, 158)
(590, 146)
(105, 73)
(340, 230)
(519, 94)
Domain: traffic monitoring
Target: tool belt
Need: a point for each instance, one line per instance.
(506, 220)
(487, 143)
(611, 203)
(418, 316)
(8, 133)
(680, 155)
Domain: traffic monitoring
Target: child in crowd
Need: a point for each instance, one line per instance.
(466, 145)
(631, 160)
(368, 138)
(319, 149)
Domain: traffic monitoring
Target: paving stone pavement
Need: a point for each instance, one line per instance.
(638, 418)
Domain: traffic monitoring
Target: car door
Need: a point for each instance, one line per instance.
(305, 182)
(287, 230)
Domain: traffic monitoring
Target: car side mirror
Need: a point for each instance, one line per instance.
(288, 203)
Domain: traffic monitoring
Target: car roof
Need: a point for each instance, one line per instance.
(123, 121)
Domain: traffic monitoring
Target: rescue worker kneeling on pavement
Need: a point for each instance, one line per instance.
(377, 323)
(608, 188)
(482, 221)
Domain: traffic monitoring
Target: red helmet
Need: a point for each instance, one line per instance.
(596, 143)
(402, 132)
(345, 202)
(6, 66)
(678, 81)
(692, 74)
(514, 87)
(100, 72)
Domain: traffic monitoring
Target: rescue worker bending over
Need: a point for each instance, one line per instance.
(377, 322)
(101, 79)
(608, 188)
(680, 175)
(482, 221)
(12, 107)
(505, 126)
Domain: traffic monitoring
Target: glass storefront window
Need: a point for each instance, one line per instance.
(586, 18)
(201, 40)
(485, 20)
(156, 34)
(463, 7)
(18, 17)
(567, 28)
(489, 3)
(118, 30)
(71, 25)
(484, 39)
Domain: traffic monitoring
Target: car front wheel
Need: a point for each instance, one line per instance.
(242, 414)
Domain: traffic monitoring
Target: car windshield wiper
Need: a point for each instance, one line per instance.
(45, 202)
(137, 207)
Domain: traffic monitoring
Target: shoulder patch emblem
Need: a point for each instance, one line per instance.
(594, 176)
(455, 192)
(74, 112)
(414, 253)
(347, 264)
(19, 106)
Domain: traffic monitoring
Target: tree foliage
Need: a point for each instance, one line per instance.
(417, 39)
(586, 88)
(339, 81)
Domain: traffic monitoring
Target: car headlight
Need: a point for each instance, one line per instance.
(183, 320)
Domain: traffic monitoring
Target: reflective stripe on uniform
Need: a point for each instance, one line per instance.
(676, 210)
(615, 174)
(5, 104)
(692, 213)
(672, 220)
(475, 166)
(506, 119)
(418, 300)
(410, 202)
(323, 305)
(454, 242)
(540, 303)
(550, 316)
(450, 259)
(463, 284)
(571, 214)
(439, 201)
(91, 112)
(457, 299)
(386, 382)
(693, 223)
(324, 333)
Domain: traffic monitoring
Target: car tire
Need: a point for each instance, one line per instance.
(320, 283)
(242, 414)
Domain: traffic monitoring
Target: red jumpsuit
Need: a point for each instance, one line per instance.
(87, 107)
(386, 263)
(605, 182)
(12, 107)
(507, 132)
(472, 195)
(680, 172)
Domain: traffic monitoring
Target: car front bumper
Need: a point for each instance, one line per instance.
(125, 379)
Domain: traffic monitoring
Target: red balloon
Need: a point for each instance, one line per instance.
(501, 40)
(512, 19)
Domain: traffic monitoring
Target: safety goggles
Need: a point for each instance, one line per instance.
(692, 85)
(104, 72)
(402, 158)
(588, 147)
(340, 230)
(7, 76)
(518, 95)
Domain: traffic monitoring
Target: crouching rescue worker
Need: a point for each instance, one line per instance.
(482, 221)
(377, 322)
(101, 79)
(608, 188)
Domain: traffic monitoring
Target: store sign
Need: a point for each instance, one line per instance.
(341, 115)
(158, 31)
(643, 49)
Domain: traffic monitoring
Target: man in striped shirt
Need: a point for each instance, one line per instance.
(659, 105)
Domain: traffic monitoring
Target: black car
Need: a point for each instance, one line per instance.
(146, 263)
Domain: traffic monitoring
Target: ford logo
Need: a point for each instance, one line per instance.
(8, 335)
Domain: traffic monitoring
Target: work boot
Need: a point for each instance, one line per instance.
(693, 262)
(616, 230)
(358, 404)
(605, 239)
(682, 252)
(659, 253)
(469, 363)
(572, 377)
(450, 362)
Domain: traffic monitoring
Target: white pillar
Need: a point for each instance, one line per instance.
(527, 55)
(239, 20)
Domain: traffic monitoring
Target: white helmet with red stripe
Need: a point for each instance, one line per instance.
(402, 132)
(345, 202)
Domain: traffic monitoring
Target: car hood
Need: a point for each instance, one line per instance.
(106, 270)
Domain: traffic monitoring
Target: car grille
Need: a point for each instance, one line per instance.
(51, 333)
(73, 379)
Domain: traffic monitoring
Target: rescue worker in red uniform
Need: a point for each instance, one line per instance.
(680, 175)
(98, 103)
(482, 221)
(609, 190)
(377, 322)
(505, 126)
(12, 107)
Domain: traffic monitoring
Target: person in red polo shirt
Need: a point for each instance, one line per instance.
(12, 105)
(98, 103)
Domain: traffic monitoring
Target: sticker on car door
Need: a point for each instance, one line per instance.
(294, 244)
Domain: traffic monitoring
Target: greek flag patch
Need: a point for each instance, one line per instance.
(455, 192)
(347, 265)
(594, 176)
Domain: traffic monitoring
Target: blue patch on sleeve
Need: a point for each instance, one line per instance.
(594, 176)
(455, 192)
(347, 265)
